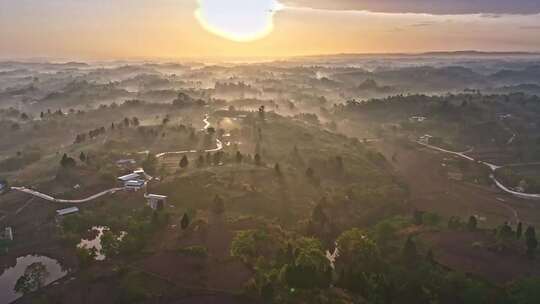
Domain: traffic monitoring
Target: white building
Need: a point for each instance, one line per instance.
(8, 234)
(417, 119)
(126, 162)
(425, 139)
(155, 201)
(135, 184)
(128, 177)
(3, 186)
(67, 211)
(134, 181)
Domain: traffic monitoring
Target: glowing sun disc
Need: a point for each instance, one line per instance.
(238, 20)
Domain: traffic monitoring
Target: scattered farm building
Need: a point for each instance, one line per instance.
(156, 202)
(430, 140)
(67, 211)
(126, 163)
(3, 186)
(128, 177)
(7, 234)
(417, 119)
(135, 184)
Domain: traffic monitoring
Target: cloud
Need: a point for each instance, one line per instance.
(435, 7)
(237, 20)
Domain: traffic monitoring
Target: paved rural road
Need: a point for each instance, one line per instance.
(219, 147)
(492, 176)
(219, 144)
(63, 201)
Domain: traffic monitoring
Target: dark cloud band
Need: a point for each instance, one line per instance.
(437, 7)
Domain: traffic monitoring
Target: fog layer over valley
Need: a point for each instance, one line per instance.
(323, 179)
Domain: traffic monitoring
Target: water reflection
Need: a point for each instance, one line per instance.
(9, 276)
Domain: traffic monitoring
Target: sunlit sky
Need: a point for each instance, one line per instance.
(131, 29)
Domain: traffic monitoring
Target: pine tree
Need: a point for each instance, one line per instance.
(519, 231)
(184, 223)
(473, 223)
(418, 217)
(239, 157)
(200, 161)
(258, 160)
(63, 161)
(262, 112)
(219, 205)
(67, 162)
(409, 251)
(318, 215)
(82, 157)
(184, 162)
(310, 173)
(532, 242)
(339, 164)
(277, 169)
(430, 257)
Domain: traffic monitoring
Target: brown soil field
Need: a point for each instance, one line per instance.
(433, 192)
(216, 272)
(470, 252)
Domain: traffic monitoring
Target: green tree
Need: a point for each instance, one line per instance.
(472, 224)
(67, 162)
(310, 173)
(200, 161)
(184, 162)
(82, 157)
(418, 217)
(262, 112)
(218, 207)
(150, 164)
(310, 269)
(277, 169)
(258, 160)
(110, 243)
(525, 291)
(184, 223)
(531, 241)
(519, 231)
(505, 232)
(318, 215)
(359, 261)
(340, 167)
(34, 278)
(410, 253)
(86, 256)
(239, 157)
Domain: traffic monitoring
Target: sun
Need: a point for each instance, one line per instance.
(238, 20)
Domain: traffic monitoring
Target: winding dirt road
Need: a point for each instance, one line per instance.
(492, 176)
(219, 147)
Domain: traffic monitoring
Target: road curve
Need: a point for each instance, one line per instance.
(219, 144)
(219, 147)
(63, 201)
(492, 176)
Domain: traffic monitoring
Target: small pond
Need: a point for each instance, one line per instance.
(9, 276)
